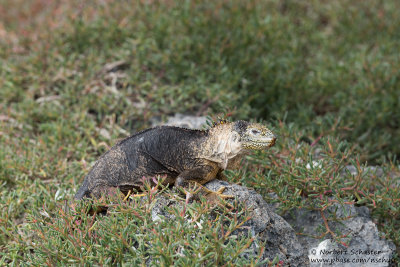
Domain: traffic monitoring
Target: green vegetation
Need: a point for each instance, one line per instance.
(325, 73)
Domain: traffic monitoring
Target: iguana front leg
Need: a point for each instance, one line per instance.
(221, 176)
(201, 175)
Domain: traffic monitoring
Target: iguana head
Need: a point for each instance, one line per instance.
(253, 135)
(227, 140)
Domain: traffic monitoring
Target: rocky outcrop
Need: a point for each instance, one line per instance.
(365, 246)
(265, 225)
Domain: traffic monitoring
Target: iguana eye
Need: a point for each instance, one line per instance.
(255, 132)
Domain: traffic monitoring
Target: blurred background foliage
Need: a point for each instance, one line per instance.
(324, 65)
(75, 76)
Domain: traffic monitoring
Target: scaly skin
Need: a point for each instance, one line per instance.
(182, 155)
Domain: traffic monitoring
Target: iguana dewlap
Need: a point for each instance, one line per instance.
(182, 155)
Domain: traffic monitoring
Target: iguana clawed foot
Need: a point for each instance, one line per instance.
(215, 196)
(195, 190)
(130, 195)
(200, 190)
(211, 194)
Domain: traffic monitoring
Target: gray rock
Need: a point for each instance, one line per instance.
(265, 225)
(180, 120)
(369, 170)
(365, 246)
(372, 171)
(350, 169)
(158, 212)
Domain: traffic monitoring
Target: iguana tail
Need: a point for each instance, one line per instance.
(83, 190)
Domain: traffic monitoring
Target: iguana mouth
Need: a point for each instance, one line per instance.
(265, 142)
(260, 144)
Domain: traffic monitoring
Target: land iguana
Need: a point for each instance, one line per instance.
(183, 156)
